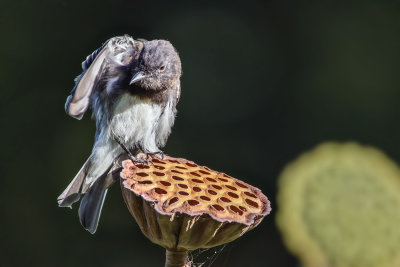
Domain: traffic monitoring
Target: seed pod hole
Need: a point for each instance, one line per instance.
(145, 182)
(193, 202)
(165, 183)
(143, 166)
(205, 198)
(160, 191)
(243, 208)
(241, 185)
(157, 161)
(231, 194)
(182, 186)
(224, 199)
(211, 180)
(204, 172)
(223, 180)
(159, 173)
(181, 167)
(212, 192)
(183, 193)
(197, 181)
(217, 207)
(173, 161)
(231, 187)
(217, 186)
(175, 171)
(159, 167)
(142, 174)
(177, 178)
(173, 200)
(191, 164)
(196, 189)
(195, 174)
(235, 210)
(251, 203)
(250, 194)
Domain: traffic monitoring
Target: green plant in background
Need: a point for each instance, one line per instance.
(339, 205)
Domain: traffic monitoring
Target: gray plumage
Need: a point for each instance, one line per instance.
(133, 87)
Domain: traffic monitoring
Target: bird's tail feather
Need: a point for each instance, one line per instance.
(92, 203)
(76, 188)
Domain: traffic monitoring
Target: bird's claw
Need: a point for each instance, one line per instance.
(140, 160)
(148, 158)
(158, 154)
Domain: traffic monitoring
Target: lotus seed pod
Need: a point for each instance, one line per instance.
(182, 206)
(339, 205)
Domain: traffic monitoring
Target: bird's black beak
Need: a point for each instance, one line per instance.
(137, 77)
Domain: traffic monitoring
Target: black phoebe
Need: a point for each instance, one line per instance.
(133, 87)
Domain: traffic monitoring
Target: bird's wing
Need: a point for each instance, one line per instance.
(78, 101)
(119, 51)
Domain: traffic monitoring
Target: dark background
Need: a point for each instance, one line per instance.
(262, 82)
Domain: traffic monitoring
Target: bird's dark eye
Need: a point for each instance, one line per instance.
(162, 68)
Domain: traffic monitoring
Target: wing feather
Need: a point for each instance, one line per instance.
(78, 102)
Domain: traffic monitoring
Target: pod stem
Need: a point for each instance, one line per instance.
(176, 258)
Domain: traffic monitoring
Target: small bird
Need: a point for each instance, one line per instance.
(133, 87)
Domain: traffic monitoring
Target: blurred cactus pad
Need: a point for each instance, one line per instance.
(339, 205)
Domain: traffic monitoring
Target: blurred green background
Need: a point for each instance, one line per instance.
(263, 81)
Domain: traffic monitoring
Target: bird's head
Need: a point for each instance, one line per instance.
(157, 68)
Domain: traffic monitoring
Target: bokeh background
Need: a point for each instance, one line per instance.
(263, 81)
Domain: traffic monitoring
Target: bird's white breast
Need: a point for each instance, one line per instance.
(140, 121)
(136, 122)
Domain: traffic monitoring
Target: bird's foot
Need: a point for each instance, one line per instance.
(140, 160)
(158, 154)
